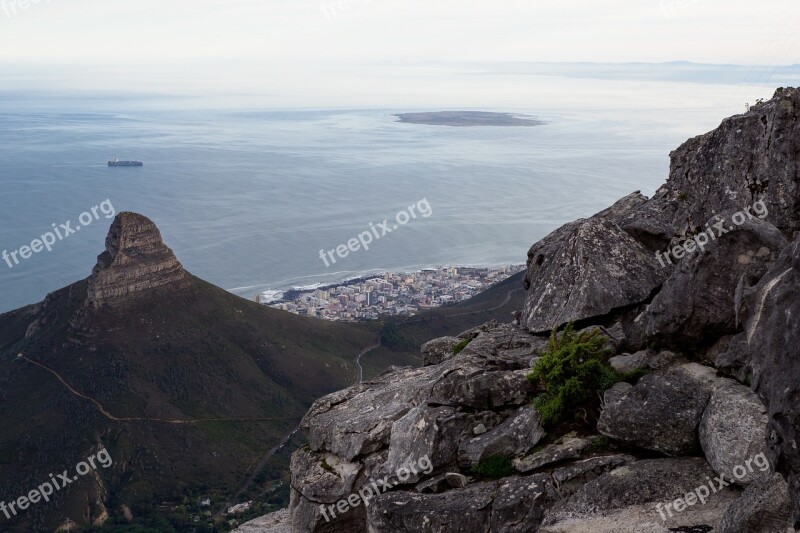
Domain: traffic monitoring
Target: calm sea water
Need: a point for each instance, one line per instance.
(247, 198)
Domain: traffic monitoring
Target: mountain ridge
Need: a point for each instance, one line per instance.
(144, 341)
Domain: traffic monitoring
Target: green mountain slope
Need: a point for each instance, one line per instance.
(186, 385)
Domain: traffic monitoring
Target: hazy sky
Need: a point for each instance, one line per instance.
(253, 45)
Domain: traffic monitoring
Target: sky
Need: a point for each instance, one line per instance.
(331, 49)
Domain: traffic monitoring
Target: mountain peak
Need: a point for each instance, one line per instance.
(136, 261)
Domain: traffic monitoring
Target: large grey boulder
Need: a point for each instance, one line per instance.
(762, 508)
(567, 447)
(437, 350)
(733, 432)
(773, 334)
(661, 412)
(512, 505)
(369, 410)
(749, 157)
(503, 346)
(734, 361)
(633, 499)
(567, 480)
(519, 433)
(425, 432)
(521, 504)
(699, 300)
(586, 269)
(643, 360)
(467, 509)
(623, 206)
(323, 479)
(476, 388)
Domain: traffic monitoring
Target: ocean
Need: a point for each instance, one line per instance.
(247, 198)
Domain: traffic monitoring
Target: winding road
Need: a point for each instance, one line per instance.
(261, 464)
(358, 360)
(140, 418)
(288, 437)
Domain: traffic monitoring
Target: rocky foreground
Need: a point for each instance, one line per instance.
(703, 439)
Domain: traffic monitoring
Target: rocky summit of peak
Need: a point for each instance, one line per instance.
(135, 261)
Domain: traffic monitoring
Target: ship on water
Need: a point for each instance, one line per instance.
(117, 163)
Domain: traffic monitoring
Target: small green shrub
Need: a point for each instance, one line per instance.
(634, 375)
(494, 467)
(683, 196)
(599, 444)
(653, 343)
(573, 371)
(460, 346)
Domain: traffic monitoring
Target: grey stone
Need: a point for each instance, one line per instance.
(569, 479)
(698, 302)
(467, 509)
(136, 262)
(762, 508)
(748, 157)
(627, 499)
(518, 434)
(478, 389)
(733, 431)
(370, 410)
(661, 412)
(322, 479)
(563, 449)
(623, 206)
(644, 359)
(614, 271)
(512, 505)
(773, 333)
(521, 504)
(433, 485)
(456, 480)
(615, 336)
(574, 274)
(735, 360)
(504, 346)
(437, 350)
(424, 432)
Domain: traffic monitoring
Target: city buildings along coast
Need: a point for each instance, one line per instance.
(391, 293)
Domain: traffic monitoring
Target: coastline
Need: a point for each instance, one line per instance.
(316, 280)
(370, 296)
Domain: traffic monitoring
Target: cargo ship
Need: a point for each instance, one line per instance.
(117, 163)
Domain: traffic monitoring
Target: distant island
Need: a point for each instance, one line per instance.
(468, 118)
